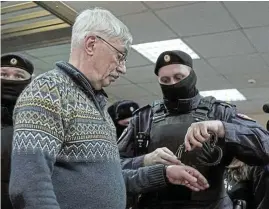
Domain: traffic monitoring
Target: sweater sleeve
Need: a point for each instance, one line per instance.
(145, 179)
(38, 137)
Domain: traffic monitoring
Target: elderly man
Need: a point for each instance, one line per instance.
(16, 73)
(65, 153)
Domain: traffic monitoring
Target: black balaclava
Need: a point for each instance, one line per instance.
(185, 89)
(10, 92)
(11, 89)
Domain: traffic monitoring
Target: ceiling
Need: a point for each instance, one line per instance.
(232, 39)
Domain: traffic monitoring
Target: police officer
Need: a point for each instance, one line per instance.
(202, 132)
(16, 73)
(121, 113)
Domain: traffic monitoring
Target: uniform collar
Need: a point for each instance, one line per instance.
(183, 105)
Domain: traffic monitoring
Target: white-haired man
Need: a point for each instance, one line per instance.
(65, 153)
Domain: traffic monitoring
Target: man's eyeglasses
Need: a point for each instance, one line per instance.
(121, 56)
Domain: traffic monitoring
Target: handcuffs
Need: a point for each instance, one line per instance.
(209, 146)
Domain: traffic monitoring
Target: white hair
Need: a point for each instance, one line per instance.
(101, 22)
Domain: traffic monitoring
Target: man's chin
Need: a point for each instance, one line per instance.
(106, 83)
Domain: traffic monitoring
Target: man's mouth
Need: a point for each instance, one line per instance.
(114, 77)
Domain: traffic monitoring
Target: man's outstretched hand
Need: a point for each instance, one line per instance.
(186, 176)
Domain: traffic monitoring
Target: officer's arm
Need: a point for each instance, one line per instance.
(126, 145)
(246, 140)
(132, 163)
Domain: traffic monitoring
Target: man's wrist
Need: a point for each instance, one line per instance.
(145, 159)
(165, 174)
(221, 130)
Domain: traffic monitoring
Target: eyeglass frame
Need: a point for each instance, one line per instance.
(124, 55)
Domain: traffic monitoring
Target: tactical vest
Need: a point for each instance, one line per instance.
(149, 116)
(167, 130)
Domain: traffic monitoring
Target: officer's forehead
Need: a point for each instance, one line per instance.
(170, 70)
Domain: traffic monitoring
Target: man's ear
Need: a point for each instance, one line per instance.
(89, 44)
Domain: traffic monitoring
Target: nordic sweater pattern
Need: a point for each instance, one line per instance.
(65, 153)
(42, 108)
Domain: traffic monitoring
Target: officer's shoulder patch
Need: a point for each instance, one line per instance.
(245, 117)
(141, 109)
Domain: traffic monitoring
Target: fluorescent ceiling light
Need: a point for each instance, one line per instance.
(153, 49)
(227, 95)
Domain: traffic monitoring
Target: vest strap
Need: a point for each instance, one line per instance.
(203, 108)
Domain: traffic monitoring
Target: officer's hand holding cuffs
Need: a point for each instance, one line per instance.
(161, 156)
(199, 132)
(186, 176)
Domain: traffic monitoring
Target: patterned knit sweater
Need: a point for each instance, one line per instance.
(64, 150)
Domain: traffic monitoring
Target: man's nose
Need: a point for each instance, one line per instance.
(173, 81)
(122, 68)
(12, 77)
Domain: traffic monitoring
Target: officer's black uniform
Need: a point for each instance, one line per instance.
(165, 123)
(10, 91)
(121, 110)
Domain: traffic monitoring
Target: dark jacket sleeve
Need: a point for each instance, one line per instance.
(244, 138)
(35, 146)
(126, 142)
(132, 163)
(144, 179)
(260, 183)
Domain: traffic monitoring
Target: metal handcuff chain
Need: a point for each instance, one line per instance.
(213, 147)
